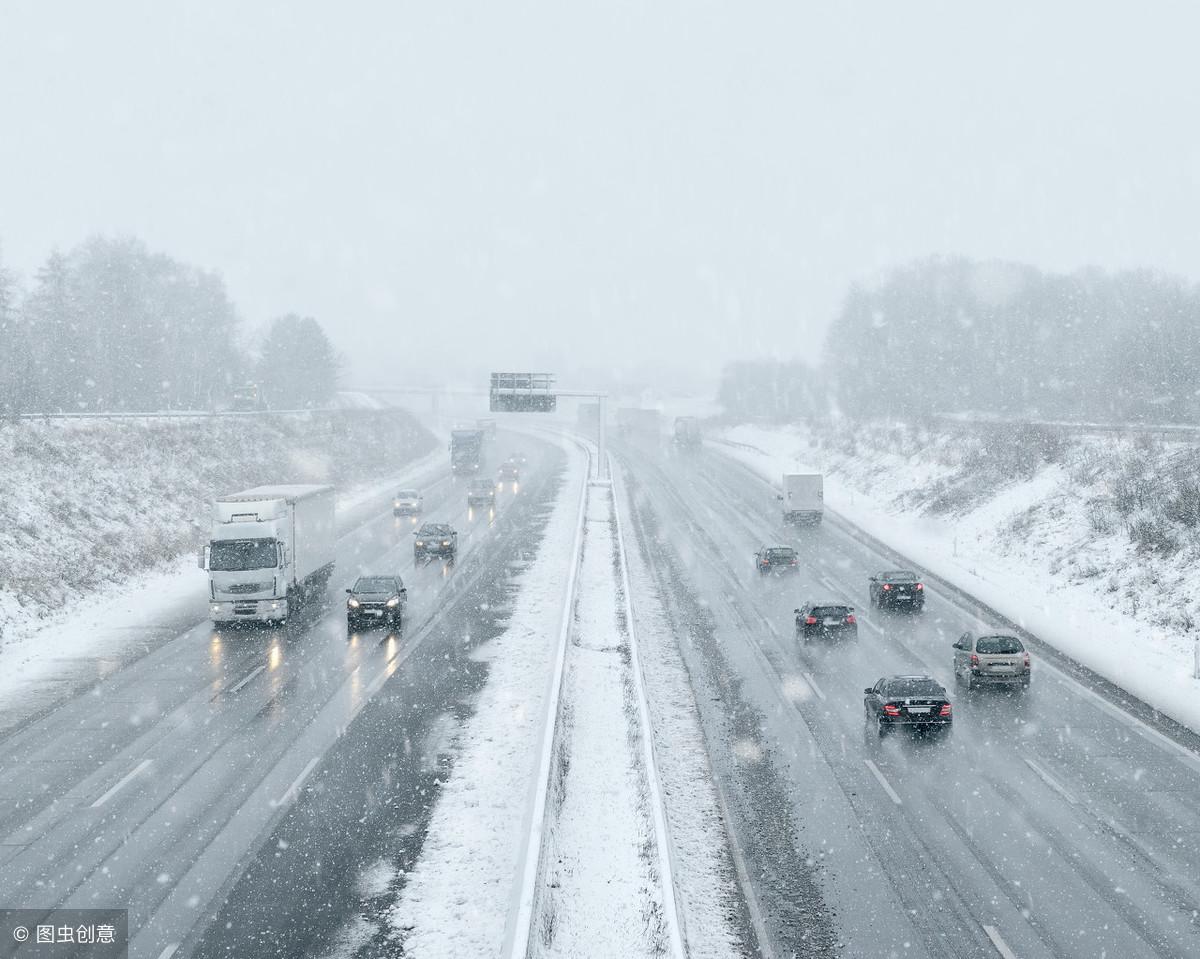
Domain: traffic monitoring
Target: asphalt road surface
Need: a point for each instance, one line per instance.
(155, 788)
(1051, 824)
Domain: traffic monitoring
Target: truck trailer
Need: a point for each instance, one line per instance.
(272, 550)
(687, 432)
(466, 451)
(803, 497)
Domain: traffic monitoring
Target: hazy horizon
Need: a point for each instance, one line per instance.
(600, 186)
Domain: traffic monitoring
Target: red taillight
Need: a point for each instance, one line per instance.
(945, 710)
(887, 585)
(766, 562)
(891, 710)
(794, 562)
(1026, 660)
(974, 661)
(851, 621)
(920, 586)
(810, 620)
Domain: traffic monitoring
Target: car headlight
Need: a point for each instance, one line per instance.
(393, 602)
(214, 608)
(420, 543)
(352, 603)
(445, 542)
(396, 503)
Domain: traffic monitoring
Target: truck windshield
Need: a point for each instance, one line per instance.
(230, 555)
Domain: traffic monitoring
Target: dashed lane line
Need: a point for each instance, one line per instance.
(887, 786)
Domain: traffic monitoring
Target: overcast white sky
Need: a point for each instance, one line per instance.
(609, 184)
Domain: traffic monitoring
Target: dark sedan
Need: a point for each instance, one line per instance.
(897, 589)
(376, 601)
(826, 622)
(918, 703)
(435, 539)
(776, 559)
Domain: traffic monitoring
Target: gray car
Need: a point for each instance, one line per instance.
(997, 659)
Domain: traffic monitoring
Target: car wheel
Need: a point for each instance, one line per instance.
(350, 624)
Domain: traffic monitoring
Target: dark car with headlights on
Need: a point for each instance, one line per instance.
(435, 539)
(897, 589)
(376, 601)
(827, 621)
(481, 492)
(776, 559)
(509, 472)
(917, 703)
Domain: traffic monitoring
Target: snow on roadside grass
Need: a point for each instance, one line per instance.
(1029, 548)
(601, 892)
(456, 899)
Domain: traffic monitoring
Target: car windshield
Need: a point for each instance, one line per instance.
(232, 555)
(914, 687)
(899, 576)
(481, 486)
(783, 552)
(999, 645)
(375, 584)
(407, 494)
(830, 611)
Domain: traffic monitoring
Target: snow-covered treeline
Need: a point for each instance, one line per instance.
(953, 335)
(111, 325)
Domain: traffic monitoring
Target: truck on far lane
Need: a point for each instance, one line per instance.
(466, 451)
(803, 497)
(271, 551)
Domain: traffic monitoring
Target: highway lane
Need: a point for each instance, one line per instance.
(1048, 826)
(194, 748)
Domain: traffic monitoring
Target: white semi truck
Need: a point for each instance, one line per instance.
(803, 497)
(272, 549)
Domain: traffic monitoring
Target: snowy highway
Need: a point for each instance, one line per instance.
(151, 787)
(1052, 824)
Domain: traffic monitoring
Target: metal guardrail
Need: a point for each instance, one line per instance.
(1174, 430)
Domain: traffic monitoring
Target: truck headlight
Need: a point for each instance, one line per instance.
(393, 602)
(352, 603)
(214, 608)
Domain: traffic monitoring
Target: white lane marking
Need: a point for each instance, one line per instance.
(296, 783)
(124, 781)
(808, 678)
(871, 625)
(1051, 781)
(887, 786)
(245, 679)
(1137, 725)
(828, 583)
(998, 941)
(169, 951)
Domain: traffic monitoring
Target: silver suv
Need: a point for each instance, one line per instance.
(993, 660)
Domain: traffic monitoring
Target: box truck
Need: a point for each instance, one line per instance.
(466, 451)
(272, 550)
(687, 432)
(803, 497)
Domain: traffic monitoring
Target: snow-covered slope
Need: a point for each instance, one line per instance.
(1090, 542)
(89, 503)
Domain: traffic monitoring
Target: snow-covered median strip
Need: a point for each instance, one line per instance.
(456, 901)
(1005, 552)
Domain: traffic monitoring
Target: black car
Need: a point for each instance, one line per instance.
(435, 539)
(827, 621)
(776, 559)
(918, 703)
(376, 600)
(897, 589)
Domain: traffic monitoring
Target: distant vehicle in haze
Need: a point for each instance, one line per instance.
(481, 492)
(408, 502)
(376, 600)
(435, 539)
(826, 621)
(272, 549)
(249, 398)
(993, 660)
(803, 498)
(776, 559)
(509, 471)
(918, 703)
(687, 433)
(638, 423)
(466, 451)
(897, 589)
